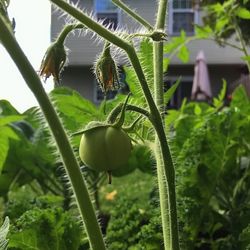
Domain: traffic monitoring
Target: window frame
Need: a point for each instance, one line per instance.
(173, 10)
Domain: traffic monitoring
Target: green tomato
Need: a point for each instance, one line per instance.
(105, 148)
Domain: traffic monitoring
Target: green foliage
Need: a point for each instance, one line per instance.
(224, 15)
(134, 227)
(4, 229)
(177, 46)
(45, 229)
(219, 101)
(22, 161)
(213, 172)
(7, 133)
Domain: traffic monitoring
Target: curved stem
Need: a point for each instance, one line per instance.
(67, 29)
(72, 168)
(133, 14)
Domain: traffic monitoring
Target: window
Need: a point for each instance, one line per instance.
(107, 12)
(182, 16)
(183, 91)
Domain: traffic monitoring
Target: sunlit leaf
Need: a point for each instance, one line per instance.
(218, 102)
(203, 32)
(221, 23)
(4, 229)
(243, 13)
(10, 118)
(246, 58)
(183, 54)
(170, 92)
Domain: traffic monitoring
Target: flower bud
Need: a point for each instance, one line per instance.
(106, 71)
(53, 61)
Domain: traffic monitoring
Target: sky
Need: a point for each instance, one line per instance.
(33, 34)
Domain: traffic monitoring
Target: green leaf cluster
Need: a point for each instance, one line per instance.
(45, 229)
(211, 145)
(223, 15)
(134, 227)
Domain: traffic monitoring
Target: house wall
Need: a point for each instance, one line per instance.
(81, 79)
(83, 49)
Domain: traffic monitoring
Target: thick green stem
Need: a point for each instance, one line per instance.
(133, 14)
(162, 184)
(165, 167)
(72, 168)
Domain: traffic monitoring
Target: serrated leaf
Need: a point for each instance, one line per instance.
(166, 62)
(197, 110)
(246, 58)
(183, 54)
(4, 229)
(170, 92)
(218, 8)
(203, 32)
(8, 132)
(221, 23)
(219, 101)
(4, 148)
(243, 13)
(145, 56)
(7, 109)
(175, 42)
(10, 118)
(74, 110)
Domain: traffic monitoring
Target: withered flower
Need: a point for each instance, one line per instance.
(106, 71)
(53, 61)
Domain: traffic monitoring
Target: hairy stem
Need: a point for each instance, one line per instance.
(72, 168)
(67, 29)
(133, 14)
(165, 167)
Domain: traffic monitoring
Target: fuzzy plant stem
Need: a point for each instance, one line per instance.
(155, 116)
(72, 168)
(165, 167)
(67, 29)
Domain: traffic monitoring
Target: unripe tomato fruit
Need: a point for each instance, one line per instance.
(105, 148)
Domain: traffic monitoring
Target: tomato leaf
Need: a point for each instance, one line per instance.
(170, 92)
(183, 54)
(4, 229)
(243, 13)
